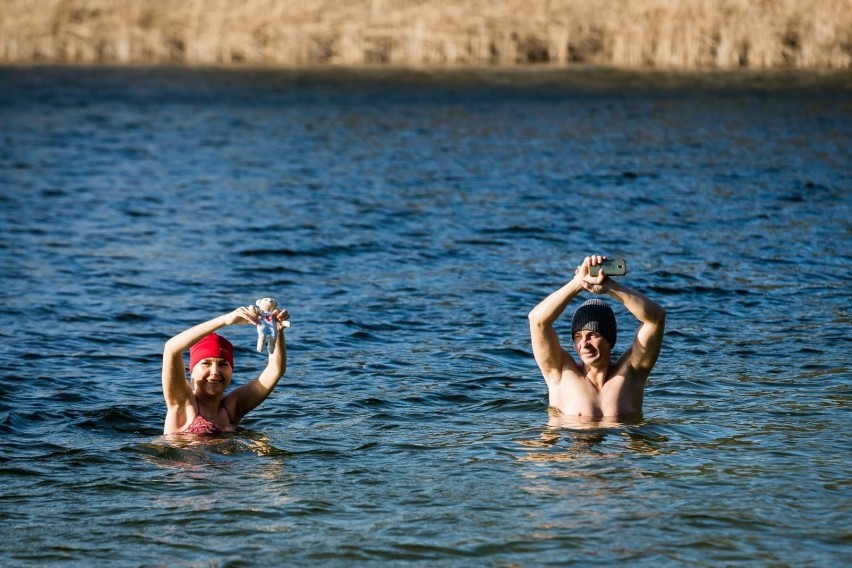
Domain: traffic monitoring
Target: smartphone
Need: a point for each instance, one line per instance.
(614, 267)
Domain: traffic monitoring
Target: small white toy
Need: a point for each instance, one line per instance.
(267, 331)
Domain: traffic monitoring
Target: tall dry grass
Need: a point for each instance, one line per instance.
(684, 34)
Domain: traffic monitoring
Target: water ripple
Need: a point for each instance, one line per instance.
(409, 229)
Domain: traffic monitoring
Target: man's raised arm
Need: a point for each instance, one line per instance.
(649, 337)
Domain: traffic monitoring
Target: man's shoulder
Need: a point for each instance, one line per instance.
(568, 376)
(625, 370)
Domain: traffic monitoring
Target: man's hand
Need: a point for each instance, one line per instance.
(593, 284)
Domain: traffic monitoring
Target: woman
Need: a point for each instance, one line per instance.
(202, 406)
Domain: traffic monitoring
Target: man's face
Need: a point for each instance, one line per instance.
(591, 347)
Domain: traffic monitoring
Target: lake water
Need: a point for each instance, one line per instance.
(409, 223)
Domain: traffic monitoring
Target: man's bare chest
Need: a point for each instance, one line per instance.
(578, 396)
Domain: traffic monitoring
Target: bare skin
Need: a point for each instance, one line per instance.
(211, 376)
(594, 385)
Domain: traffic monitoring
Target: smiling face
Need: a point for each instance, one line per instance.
(591, 347)
(211, 376)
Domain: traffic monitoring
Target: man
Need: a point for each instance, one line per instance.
(203, 407)
(596, 386)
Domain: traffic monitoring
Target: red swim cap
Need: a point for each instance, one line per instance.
(211, 346)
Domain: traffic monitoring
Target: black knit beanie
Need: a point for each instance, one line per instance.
(595, 315)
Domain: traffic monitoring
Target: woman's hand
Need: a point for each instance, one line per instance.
(244, 315)
(282, 318)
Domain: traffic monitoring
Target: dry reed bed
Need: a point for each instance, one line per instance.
(682, 34)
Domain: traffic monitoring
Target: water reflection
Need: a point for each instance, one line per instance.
(567, 438)
(559, 421)
(180, 450)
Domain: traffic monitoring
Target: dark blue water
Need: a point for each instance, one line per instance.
(409, 223)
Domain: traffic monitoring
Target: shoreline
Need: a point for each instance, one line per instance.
(580, 77)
